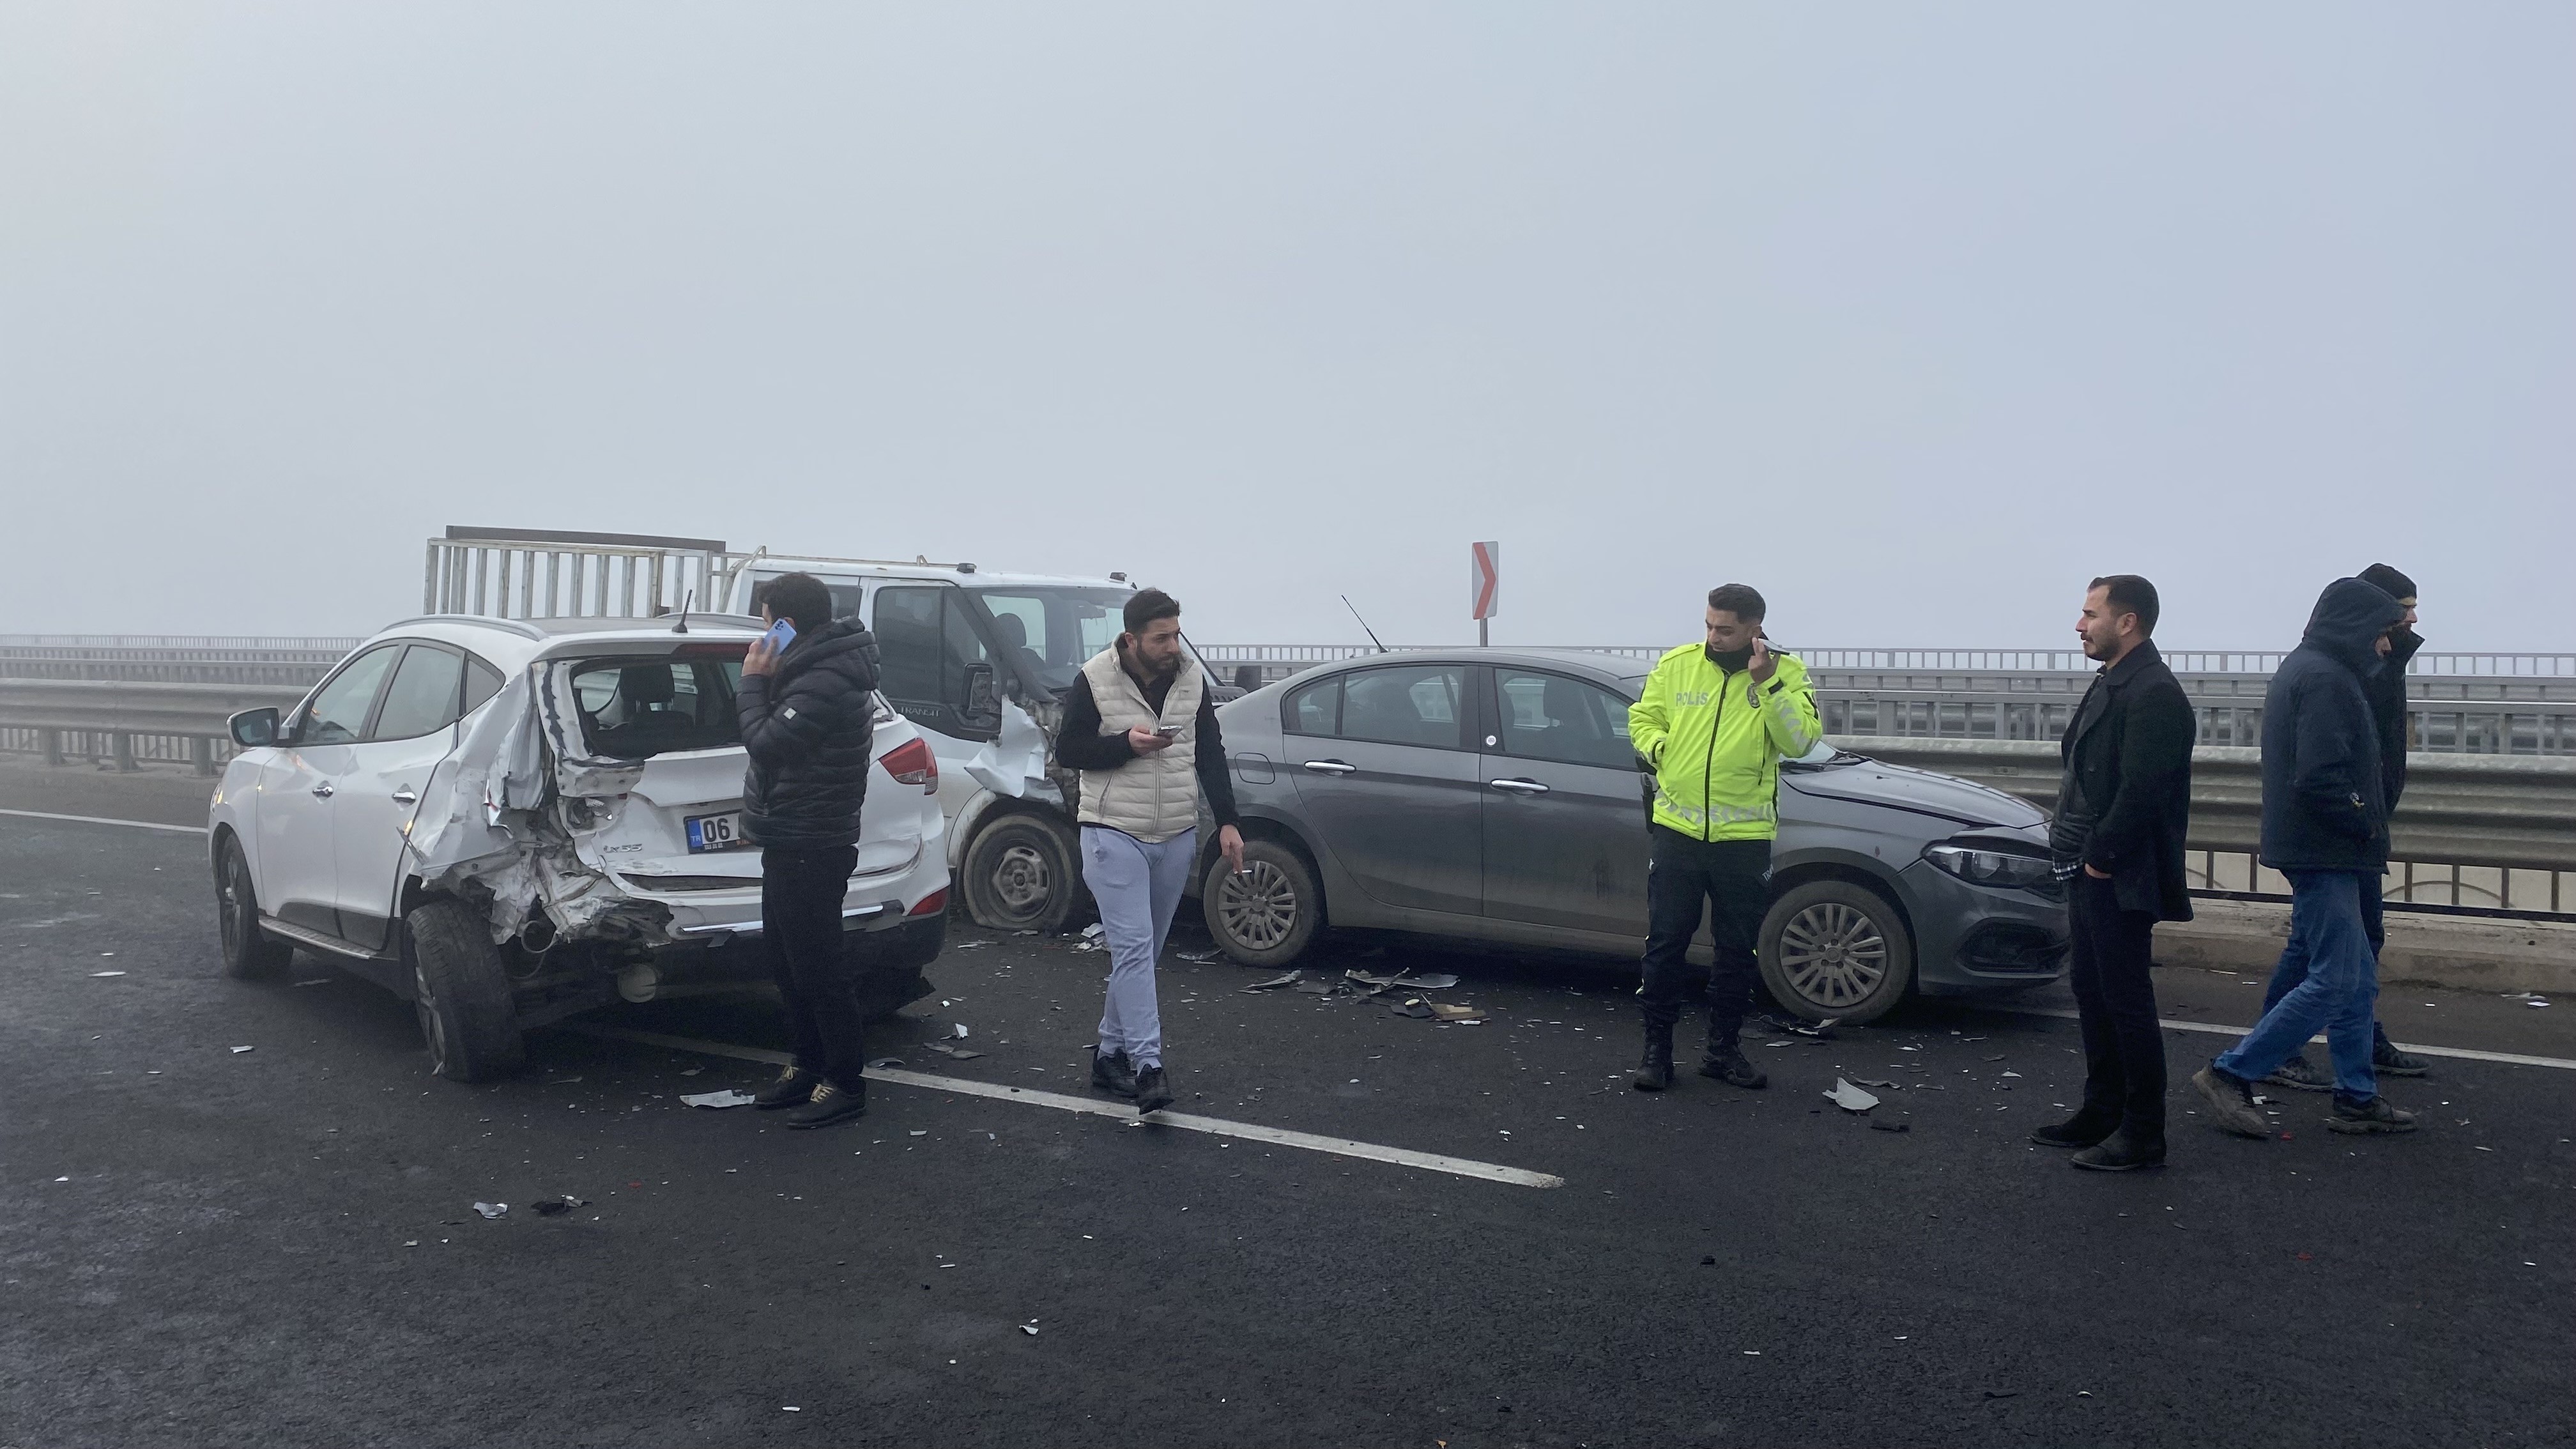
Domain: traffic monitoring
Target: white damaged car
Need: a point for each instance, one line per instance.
(509, 822)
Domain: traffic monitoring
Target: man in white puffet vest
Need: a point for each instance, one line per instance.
(1140, 726)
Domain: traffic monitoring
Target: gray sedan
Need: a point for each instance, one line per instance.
(1492, 794)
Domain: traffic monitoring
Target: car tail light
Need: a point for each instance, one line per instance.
(931, 904)
(911, 763)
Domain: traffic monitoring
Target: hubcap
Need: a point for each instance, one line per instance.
(1833, 954)
(1021, 879)
(1258, 907)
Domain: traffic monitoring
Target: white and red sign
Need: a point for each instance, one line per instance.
(1485, 574)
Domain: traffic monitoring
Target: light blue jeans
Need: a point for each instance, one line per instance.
(1138, 884)
(2340, 992)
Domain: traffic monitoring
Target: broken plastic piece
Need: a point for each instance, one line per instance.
(120, 973)
(1416, 1008)
(726, 1098)
(1315, 988)
(1290, 979)
(1867, 1082)
(1877, 1126)
(956, 1052)
(492, 1209)
(885, 1062)
(1849, 1097)
(1443, 1011)
(1198, 958)
(237, 1051)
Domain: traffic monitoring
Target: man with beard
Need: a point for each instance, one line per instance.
(1140, 726)
(808, 721)
(2325, 826)
(1714, 721)
(2116, 841)
(2386, 691)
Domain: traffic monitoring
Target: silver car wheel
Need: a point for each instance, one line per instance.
(1833, 954)
(1021, 878)
(1259, 907)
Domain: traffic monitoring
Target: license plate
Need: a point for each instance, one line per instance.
(716, 832)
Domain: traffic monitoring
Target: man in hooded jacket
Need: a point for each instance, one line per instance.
(808, 721)
(2386, 691)
(2325, 827)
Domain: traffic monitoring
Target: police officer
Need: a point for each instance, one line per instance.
(1714, 722)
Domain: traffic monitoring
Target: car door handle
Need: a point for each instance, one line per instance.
(1331, 767)
(1519, 787)
(404, 796)
(322, 791)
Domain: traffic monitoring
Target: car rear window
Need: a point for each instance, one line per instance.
(634, 709)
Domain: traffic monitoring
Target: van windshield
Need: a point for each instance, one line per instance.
(634, 709)
(1051, 631)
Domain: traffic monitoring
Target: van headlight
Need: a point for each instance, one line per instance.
(1981, 864)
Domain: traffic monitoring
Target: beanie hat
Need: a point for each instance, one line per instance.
(2397, 585)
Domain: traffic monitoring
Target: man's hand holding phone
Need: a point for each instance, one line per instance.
(1763, 666)
(1146, 742)
(762, 657)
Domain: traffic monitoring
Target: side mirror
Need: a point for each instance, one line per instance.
(253, 728)
(980, 698)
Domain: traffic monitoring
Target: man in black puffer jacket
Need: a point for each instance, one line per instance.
(808, 720)
(2325, 826)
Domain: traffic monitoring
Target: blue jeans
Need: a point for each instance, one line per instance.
(2293, 965)
(2339, 992)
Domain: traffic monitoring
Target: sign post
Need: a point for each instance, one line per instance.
(1485, 578)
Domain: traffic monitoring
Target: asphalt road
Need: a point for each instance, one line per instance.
(200, 1245)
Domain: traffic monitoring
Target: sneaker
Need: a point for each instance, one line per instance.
(2076, 1131)
(1110, 1073)
(794, 1087)
(830, 1105)
(1153, 1089)
(2388, 1061)
(2375, 1115)
(2299, 1075)
(2121, 1152)
(2231, 1102)
(1734, 1069)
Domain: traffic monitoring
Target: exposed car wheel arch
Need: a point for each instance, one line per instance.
(1860, 872)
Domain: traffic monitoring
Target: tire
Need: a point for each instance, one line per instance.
(250, 954)
(1022, 875)
(1835, 949)
(1268, 915)
(886, 965)
(461, 993)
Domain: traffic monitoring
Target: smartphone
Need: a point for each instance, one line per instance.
(1167, 731)
(780, 635)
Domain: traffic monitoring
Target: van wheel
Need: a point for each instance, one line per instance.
(250, 954)
(1268, 915)
(1834, 949)
(461, 993)
(1021, 876)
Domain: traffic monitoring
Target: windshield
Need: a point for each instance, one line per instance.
(1050, 631)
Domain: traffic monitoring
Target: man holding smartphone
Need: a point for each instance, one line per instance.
(807, 713)
(1140, 726)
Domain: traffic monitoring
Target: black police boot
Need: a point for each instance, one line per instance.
(794, 1087)
(1726, 1062)
(832, 1103)
(1655, 1071)
(1110, 1073)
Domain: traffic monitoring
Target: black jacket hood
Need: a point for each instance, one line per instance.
(2347, 622)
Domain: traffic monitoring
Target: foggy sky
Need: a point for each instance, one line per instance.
(1914, 317)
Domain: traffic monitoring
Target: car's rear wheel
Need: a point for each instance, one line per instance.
(1268, 915)
(461, 993)
(1021, 875)
(1835, 949)
(249, 952)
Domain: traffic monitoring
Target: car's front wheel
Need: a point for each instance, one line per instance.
(461, 993)
(1021, 876)
(1267, 915)
(249, 952)
(1835, 949)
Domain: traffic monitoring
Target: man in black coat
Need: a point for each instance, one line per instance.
(808, 719)
(2325, 826)
(2386, 691)
(2116, 840)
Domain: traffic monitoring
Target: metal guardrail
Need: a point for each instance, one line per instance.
(171, 660)
(126, 722)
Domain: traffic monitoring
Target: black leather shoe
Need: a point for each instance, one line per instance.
(1655, 1070)
(831, 1104)
(1734, 1068)
(2076, 1131)
(794, 1088)
(2120, 1152)
(1110, 1073)
(1153, 1090)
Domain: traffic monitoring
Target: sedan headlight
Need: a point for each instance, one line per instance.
(1980, 864)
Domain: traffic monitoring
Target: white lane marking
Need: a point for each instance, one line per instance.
(1218, 1126)
(103, 820)
(2461, 1053)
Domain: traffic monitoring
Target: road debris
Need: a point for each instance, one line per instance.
(726, 1098)
(316, 981)
(1030, 1328)
(1849, 1097)
(970, 945)
(237, 1051)
(1443, 1011)
(120, 973)
(1876, 1125)
(885, 1062)
(1094, 938)
(1275, 982)
(960, 1032)
(555, 1207)
(957, 1053)
(492, 1210)
(1199, 958)
(1867, 1082)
